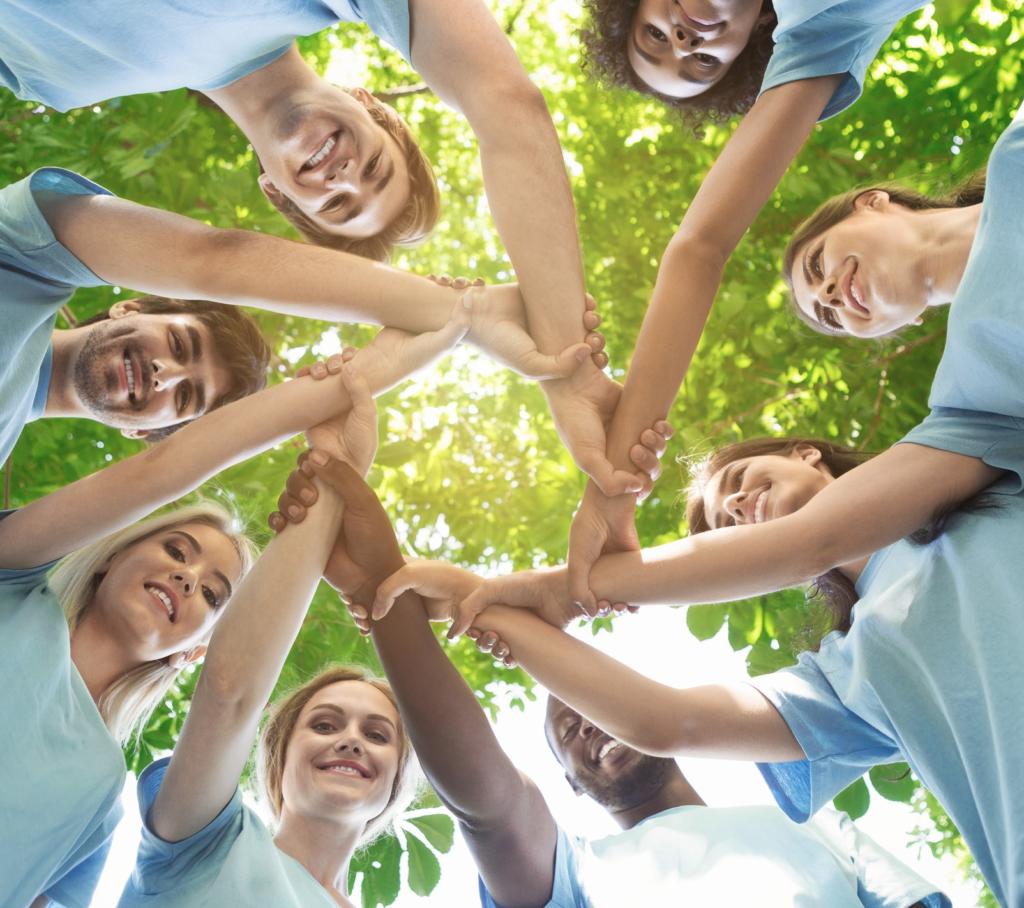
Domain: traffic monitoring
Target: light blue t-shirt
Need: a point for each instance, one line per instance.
(37, 276)
(982, 367)
(63, 770)
(930, 671)
(69, 53)
(827, 37)
(732, 856)
(231, 861)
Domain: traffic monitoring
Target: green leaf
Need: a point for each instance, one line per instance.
(704, 621)
(424, 869)
(379, 865)
(893, 781)
(855, 799)
(437, 828)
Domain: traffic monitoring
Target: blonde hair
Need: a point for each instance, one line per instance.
(413, 223)
(277, 732)
(127, 704)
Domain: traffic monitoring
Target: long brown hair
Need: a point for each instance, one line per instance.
(277, 732)
(833, 588)
(838, 208)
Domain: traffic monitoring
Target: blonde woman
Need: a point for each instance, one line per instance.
(139, 607)
(335, 759)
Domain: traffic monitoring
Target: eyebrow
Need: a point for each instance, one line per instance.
(196, 356)
(198, 549)
(803, 265)
(337, 709)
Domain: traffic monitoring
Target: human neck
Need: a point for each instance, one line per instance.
(61, 398)
(675, 792)
(254, 101)
(323, 847)
(947, 236)
(97, 655)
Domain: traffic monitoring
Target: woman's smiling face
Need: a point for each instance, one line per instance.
(757, 489)
(680, 48)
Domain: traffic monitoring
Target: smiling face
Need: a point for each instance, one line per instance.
(162, 594)
(680, 48)
(141, 370)
(862, 276)
(343, 755)
(612, 773)
(326, 155)
(761, 488)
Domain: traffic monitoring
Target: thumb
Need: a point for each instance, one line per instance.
(584, 550)
(358, 390)
(466, 612)
(610, 481)
(544, 366)
(403, 580)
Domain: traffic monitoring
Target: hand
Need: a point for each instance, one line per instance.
(456, 283)
(500, 329)
(350, 436)
(324, 368)
(366, 550)
(393, 355)
(442, 587)
(646, 454)
(544, 592)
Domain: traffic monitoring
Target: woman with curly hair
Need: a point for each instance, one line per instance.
(715, 58)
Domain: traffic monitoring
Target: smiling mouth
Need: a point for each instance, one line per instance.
(164, 600)
(607, 748)
(853, 295)
(759, 507)
(322, 153)
(701, 25)
(345, 768)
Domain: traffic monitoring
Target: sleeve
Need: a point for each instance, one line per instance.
(26, 239)
(839, 746)
(566, 891)
(883, 881)
(75, 889)
(161, 865)
(28, 577)
(825, 45)
(389, 20)
(996, 439)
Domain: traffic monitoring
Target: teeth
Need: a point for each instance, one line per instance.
(762, 500)
(325, 150)
(344, 770)
(607, 748)
(165, 599)
(130, 373)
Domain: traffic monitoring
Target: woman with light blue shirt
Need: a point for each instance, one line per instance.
(91, 651)
(784, 65)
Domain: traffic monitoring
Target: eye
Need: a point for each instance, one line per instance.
(816, 263)
(371, 167)
(378, 736)
(337, 203)
(570, 730)
(184, 397)
(323, 727)
(172, 550)
(212, 599)
(177, 348)
(827, 317)
(656, 33)
(705, 60)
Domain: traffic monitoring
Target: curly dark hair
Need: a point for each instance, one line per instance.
(605, 38)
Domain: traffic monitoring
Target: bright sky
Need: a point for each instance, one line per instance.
(657, 642)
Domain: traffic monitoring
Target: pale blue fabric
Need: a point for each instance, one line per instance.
(37, 276)
(930, 671)
(63, 770)
(69, 53)
(732, 856)
(828, 37)
(231, 861)
(982, 367)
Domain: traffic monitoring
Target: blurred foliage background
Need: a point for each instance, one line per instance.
(470, 466)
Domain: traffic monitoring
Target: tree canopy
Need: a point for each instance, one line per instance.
(470, 467)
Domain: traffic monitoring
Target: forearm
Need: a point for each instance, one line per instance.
(450, 733)
(166, 254)
(721, 721)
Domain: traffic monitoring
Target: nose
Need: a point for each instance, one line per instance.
(342, 175)
(346, 744)
(686, 39)
(828, 294)
(586, 730)
(733, 505)
(185, 579)
(166, 373)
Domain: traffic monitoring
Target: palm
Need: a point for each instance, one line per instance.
(499, 326)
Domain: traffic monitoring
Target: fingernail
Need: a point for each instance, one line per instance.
(307, 496)
(318, 457)
(293, 511)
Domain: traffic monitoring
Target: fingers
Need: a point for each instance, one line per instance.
(341, 477)
(458, 283)
(610, 481)
(646, 460)
(358, 390)
(542, 366)
(299, 493)
(360, 617)
(323, 368)
(403, 580)
(466, 612)
(490, 642)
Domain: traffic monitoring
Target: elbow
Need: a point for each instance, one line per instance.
(689, 249)
(513, 112)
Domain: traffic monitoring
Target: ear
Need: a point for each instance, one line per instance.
(136, 434)
(809, 454)
(273, 194)
(363, 96)
(187, 657)
(876, 199)
(123, 308)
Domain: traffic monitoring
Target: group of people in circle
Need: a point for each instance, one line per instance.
(102, 605)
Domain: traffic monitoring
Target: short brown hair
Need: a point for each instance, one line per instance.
(238, 346)
(277, 732)
(838, 208)
(414, 222)
(605, 40)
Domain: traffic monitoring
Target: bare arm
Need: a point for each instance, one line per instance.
(724, 721)
(503, 816)
(124, 492)
(465, 57)
(247, 652)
